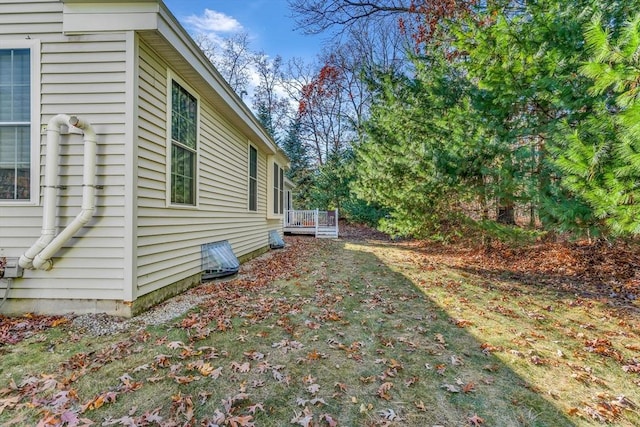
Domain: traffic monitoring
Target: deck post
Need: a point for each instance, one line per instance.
(316, 219)
(336, 222)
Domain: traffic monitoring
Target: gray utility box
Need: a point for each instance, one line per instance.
(11, 269)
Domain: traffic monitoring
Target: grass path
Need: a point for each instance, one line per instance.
(348, 333)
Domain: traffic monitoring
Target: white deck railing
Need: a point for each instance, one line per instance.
(314, 221)
(295, 218)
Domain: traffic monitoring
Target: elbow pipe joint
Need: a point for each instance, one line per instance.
(42, 264)
(43, 260)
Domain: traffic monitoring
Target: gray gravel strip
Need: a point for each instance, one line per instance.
(103, 324)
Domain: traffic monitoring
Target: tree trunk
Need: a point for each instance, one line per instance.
(506, 214)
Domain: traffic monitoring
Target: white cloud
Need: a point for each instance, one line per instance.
(213, 22)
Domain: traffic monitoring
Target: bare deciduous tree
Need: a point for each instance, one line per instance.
(324, 104)
(269, 100)
(420, 18)
(318, 16)
(231, 57)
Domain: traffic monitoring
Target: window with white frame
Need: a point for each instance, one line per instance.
(18, 140)
(253, 178)
(278, 189)
(184, 145)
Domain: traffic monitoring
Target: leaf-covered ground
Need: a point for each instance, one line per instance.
(356, 332)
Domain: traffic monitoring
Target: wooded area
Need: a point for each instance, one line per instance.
(425, 118)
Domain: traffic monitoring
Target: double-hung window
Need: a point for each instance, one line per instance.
(278, 189)
(184, 145)
(19, 142)
(253, 178)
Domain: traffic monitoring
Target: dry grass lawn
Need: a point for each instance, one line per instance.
(344, 333)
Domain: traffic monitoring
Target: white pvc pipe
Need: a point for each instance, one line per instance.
(43, 260)
(49, 193)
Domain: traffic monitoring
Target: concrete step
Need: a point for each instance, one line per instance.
(329, 233)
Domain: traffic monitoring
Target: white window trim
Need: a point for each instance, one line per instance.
(250, 146)
(271, 161)
(34, 46)
(288, 200)
(171, 77)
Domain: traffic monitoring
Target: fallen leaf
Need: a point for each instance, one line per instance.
(342, 387)
(242, 368)
(253, 408)
(175, 345)
(389, 414)
(411, 381)
(475, 420)
(141, 368)
(383, 390)
(185, 379)
(308, 379)
(456, 360)
(468, 387)
(394, 364)
(9, 403)
(254, 355)
(241, 421)
(365, 408)
(329, 420)
(317, 400)
(462, 323)
(573, 411)
(304, 419)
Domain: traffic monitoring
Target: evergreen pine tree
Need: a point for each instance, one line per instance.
(300, 171)
(601, 162)
(264, 117)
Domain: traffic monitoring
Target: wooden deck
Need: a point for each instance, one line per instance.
(322, 224)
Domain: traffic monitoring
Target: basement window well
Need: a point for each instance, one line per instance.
(275, 241)
(218, 260)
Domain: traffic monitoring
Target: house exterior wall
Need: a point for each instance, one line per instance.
(136, 244)
(169, 237)
(84, 76)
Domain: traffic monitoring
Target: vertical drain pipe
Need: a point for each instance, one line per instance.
(49, 192)
(43, 260)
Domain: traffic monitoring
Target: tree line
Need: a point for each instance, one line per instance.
(428, 117)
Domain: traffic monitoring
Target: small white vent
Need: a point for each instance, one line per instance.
(275, 241)
(218, 260)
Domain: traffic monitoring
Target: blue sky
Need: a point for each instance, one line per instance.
(267, 22)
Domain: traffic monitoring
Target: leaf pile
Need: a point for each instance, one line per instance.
(15, 329)
(357, 232)
(600, 269)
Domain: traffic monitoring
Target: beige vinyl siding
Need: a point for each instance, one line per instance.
(30, 17)
(85, 76)
(169, 237)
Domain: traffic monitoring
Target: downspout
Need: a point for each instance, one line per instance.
(49, 193)
(43, 261)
